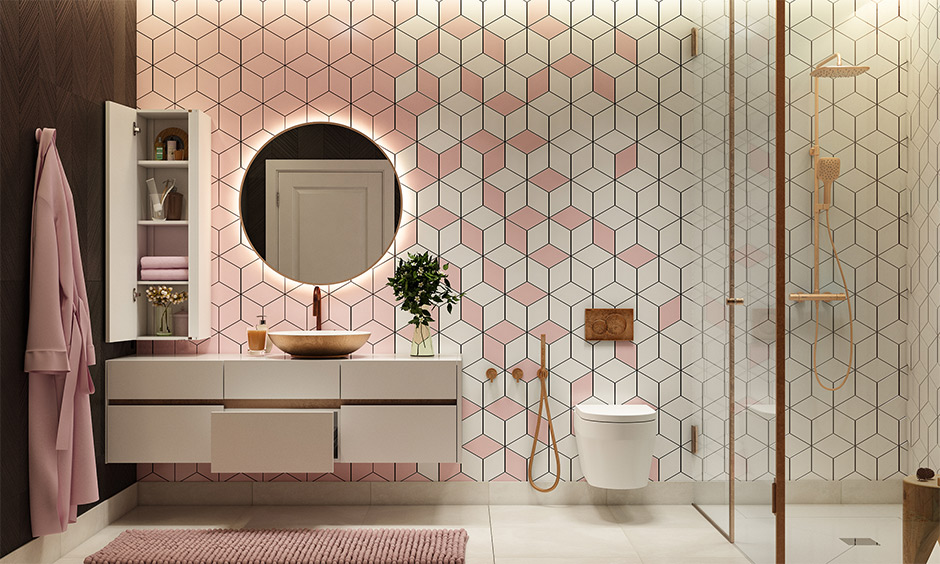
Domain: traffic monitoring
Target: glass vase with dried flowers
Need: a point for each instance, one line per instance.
(163, 298)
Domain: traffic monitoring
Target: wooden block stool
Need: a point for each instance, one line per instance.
(921, 519)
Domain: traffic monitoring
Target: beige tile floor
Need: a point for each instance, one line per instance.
(581, 534)
(814, 533)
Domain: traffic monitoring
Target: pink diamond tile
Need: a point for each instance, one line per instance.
(483, 446)
(329, 27)
(395, 65)
(504, 332)
(468, 408)
(471, 84)
(548, 27)
(351, 65)
(418, 180)
(505, 103)
(548, 256)
(549, 179)
(603, 236)
(373, 103)
(570, 217)
(504, 408)
(471, 312)
(438, 218)
(527, 141)
(582, 389)
(637, 256)
(527, 294)
(625, 46)
(625, 351)
(372, 27)
(494, 198)
(670, 312)
(417, 103)
(494, 46)
(493, 274)
(471, 236)
(571, 65)
(625, 161)
(537, 84)
(552, 331)
(604, 84)
(460, 27)
(516, 237)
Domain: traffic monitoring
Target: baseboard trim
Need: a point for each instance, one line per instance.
(505, 493)
(47, 549)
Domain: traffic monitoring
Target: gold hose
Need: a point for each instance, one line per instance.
(848, 301)
(543, 401)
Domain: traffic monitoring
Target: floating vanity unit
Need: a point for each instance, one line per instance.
(277, 414)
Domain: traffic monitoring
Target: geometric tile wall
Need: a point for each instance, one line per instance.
(860, 431)
(553, 153)
(540, 148)
(923, 249)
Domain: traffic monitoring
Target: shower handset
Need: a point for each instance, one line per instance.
(828, 169)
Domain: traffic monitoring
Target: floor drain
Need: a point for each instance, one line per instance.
(860, 541)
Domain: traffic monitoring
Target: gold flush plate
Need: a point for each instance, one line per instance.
(608, 324)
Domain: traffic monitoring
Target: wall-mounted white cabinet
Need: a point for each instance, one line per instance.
(277, 414)
(132, 233)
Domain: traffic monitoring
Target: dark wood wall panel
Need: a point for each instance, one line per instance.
(59, 61)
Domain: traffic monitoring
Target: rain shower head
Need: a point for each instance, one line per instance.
(844, 71)
(838, 70)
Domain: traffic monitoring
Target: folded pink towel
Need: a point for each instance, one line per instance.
(164, 262)
(164, 274)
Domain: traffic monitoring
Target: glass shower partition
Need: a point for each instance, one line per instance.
(736, 439)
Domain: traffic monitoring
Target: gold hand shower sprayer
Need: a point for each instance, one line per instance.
(543, 401)
(826, 170)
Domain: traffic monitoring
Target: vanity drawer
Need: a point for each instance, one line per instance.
(293, 379)
(273, 440)
(390, 379)
(158, 433)
(164, 379)
(398, 433)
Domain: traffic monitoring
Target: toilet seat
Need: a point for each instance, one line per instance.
(616, 413)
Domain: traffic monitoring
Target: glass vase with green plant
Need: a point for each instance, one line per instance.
(163, 297)
(421, 283)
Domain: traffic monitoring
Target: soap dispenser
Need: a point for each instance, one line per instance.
(263, 326)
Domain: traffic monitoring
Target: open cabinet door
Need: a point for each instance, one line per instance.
(121, 209)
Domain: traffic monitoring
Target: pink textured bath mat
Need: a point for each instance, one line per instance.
(293, 546)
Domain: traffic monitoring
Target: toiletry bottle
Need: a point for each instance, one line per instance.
(158, 149)
(263, 326)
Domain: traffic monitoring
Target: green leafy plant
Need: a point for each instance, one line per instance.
(421, 283)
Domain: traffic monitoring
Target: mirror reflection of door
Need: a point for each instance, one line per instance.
(326, 218)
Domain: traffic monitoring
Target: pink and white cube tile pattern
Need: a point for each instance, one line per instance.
(541, 151)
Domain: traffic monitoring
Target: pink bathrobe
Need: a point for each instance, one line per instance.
(59, 350)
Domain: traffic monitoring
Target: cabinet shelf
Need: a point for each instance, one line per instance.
(163, 338)
(163, 164)
(131, 234)
(164, 223)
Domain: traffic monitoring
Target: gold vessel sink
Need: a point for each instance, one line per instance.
(319, 344)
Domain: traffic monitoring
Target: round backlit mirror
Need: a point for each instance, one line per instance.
(320, 203)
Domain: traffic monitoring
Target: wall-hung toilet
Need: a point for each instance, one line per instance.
(615, 444)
